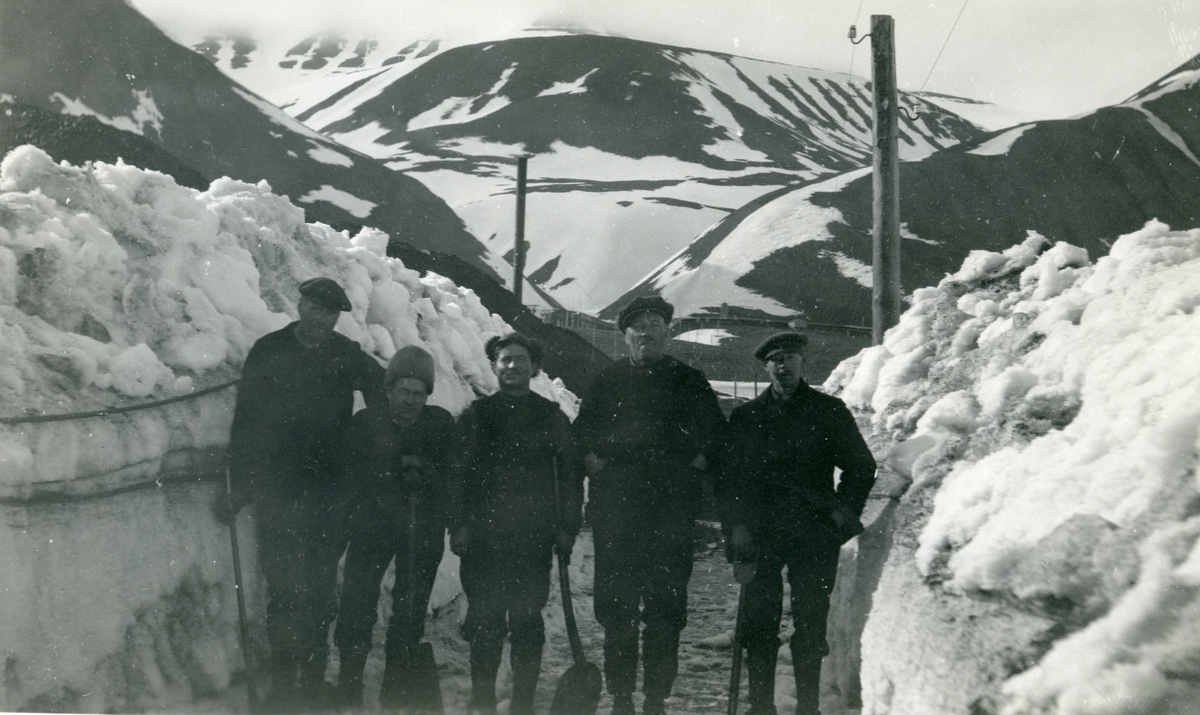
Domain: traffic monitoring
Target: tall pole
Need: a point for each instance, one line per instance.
(885, 291)
(519, 248)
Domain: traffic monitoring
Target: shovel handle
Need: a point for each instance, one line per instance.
(564, 582)
(251, 690)
(735, 675)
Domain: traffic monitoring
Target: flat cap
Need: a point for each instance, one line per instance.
(795, 341)
(326, 292)
(642, 304)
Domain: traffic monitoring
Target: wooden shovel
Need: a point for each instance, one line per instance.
(578, 691)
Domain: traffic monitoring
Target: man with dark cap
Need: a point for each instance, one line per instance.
(397, 493)
(648, 426)
(521, 498)
(781, 508)
(286, 455)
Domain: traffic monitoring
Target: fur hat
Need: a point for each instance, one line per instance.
(796, 342)
(642, 304)
(410, 361)
(326, 292)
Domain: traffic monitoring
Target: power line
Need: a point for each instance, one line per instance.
(939, 54)
(853, 46)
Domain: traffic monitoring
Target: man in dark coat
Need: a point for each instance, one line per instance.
(286, 455)
(521, 496)
(397, 493)
(781, 508)
(647, 426)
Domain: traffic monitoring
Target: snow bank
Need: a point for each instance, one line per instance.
(1047, 411)
(119, 288)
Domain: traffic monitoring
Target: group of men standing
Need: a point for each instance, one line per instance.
(506, 481)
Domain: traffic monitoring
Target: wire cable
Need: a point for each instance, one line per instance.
(948, 35)
(854, 46)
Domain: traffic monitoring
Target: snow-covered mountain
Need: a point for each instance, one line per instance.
(635, 148)
(101, 58)
(808, 249)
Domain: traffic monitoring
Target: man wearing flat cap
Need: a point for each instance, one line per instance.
(781, 508)
(286, 455)
(648, 426)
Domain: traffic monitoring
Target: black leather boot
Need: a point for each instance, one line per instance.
(760, 667)
(282, 696)
(526, 669)
(349, 693)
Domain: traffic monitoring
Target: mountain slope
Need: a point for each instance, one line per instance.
(635, 147)
(102, 58)
(1084, 181)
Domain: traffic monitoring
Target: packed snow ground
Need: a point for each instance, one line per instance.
(1047, 410)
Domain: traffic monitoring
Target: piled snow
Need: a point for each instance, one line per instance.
(119, 287)
(1048, 412)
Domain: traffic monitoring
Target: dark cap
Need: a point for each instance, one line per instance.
(793, 342)
(643, 304)
(326, 292)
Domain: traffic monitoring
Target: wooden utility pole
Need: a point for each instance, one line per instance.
(885, 290)
(519, 246)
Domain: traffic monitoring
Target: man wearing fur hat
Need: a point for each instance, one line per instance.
(781, 508)
(397, 488)
(521, 498)
(648, 426)
(286, 455)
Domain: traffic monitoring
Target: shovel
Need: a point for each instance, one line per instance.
(578, 691)
(744, 573)
(414, 683)
(251, 689)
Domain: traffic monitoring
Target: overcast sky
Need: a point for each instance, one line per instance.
(1047, 58)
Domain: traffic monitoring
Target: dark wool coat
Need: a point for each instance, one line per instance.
(661, 412)
(778, 472)
(388, 463)
(507, 448)
(293, 409)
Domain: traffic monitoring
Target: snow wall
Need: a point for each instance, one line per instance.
(1046, 556)
(120, 288)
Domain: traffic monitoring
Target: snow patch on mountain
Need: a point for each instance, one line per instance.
(325, 155)
(1001, 143)
(359, 208)
(461, 110)
(145, 114)
(579, 86)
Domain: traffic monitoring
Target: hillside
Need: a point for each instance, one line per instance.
(635, 147)
(1082, 180)
(101, 58)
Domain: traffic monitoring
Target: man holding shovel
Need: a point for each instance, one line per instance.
(781, 508)
(286, 456)
(397, 503)
(514, 445)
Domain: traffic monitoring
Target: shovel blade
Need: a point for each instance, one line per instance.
(578, 691)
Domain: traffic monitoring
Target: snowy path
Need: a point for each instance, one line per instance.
(704, 654)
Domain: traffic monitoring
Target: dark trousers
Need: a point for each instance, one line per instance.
(374, 541)
(643, 565)
(811, 562)
(506, 580)
(299, 552)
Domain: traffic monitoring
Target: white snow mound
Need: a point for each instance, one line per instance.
(1053, 408)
